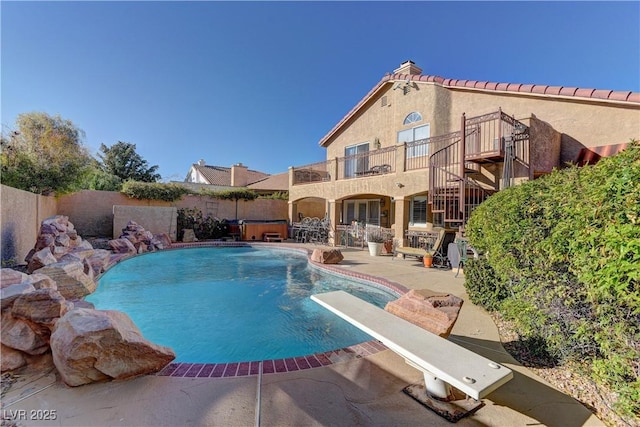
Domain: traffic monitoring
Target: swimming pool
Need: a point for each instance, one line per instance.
(222, 305)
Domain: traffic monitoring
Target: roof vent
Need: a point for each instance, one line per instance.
(201, 162)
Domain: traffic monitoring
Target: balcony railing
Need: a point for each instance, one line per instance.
(315, 172)
(489, 138)
(370, 163)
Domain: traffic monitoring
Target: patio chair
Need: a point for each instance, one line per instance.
(435, 250)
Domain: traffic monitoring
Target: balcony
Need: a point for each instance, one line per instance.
(489, 138)
(376, 162)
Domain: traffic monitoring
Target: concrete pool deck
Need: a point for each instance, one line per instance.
(364, 391)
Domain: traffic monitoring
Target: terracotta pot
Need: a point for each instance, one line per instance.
(428, 261)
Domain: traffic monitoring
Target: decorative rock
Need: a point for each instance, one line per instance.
(42, 306)
(141, 247)
(71, 279)
(122, 246)
(41, 281)
(327, 256)
(161, 241)
(45, 241)
(62, 240)
(95, 345)
(60, 222)
(17, 334)
(80, 303)
(82, 245)
(434, 312)
(12, 292)
(188, 235)
(11, 359)
(48, 228)
(40, 259)
(9, 276)
(100, 260)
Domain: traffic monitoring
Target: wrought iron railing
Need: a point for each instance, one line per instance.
(370, 163)
(315, 172)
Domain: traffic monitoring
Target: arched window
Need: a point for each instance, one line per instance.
(412, 118)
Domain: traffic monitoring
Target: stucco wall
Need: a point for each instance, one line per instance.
(156, 219)
(92, 211)
(22, 213)
(581, 123)
(385, 121)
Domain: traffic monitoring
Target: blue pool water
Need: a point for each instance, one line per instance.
(221, 305)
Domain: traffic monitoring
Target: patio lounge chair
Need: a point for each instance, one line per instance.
(435, 250)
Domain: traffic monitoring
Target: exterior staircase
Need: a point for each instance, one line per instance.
(459, 156)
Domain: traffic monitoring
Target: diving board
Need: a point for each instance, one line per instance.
(443, 363)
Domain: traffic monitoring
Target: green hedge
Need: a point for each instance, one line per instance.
(154, 191)
(563, 262)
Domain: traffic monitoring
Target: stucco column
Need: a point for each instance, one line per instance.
(401, 218)
(293, 212)
(333, 208)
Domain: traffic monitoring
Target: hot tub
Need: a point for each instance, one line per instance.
(255, 229)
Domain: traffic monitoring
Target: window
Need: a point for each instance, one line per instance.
(363, 211)
(415, 134)
(412, 118)
(353, 163)
(418, 212)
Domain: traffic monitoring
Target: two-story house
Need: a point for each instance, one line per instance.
(420, 151)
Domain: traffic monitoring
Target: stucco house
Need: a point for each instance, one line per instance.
(225, 178)
(420, 151)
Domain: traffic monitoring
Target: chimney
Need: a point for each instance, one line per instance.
(201, 162)
(408, 67)
(239, 175)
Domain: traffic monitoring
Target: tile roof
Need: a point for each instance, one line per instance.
(218, 175)
(277, 182)
(545, 90)
(591, 155)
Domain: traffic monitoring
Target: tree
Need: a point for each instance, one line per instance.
(44, 155)
(241, 194)
(121, 160)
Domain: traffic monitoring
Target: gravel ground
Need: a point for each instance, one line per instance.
(567, 378)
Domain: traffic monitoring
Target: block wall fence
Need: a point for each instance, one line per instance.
(92, 214)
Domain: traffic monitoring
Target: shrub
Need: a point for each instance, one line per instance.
(563, 262)
(482, 285)
(205, 228)
(154, 191)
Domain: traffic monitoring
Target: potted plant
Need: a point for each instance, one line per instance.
(375, 240)
(428, 260)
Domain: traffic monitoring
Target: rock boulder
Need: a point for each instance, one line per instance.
(71, 279)
(96, 345)
(434, 312)
(327, 256)
(42, 306)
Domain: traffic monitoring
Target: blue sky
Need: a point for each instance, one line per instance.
(262, 82)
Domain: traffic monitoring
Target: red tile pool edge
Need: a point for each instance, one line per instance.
(276, 366)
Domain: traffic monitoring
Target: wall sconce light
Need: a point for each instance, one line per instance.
(519, 129)
(406, 86)
(399, 184)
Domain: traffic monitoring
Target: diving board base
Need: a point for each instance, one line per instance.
(452, 410)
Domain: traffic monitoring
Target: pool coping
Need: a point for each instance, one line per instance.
(282, 365)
